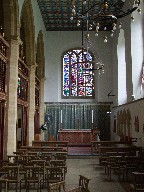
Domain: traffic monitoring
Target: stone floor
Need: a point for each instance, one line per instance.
(89, 167)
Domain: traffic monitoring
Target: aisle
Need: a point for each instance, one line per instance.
(89, 167)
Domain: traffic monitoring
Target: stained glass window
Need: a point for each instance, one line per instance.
(78, 77)
(22, 89)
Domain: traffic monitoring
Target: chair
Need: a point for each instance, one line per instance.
(138, 182)
(83, 183)
(131, 165)
(40, 163)
(61, 156)
(59, 163)
(31, 178)
(53, 175)
(11, 176)
(3, 163)
(112, 164)
(60, 187)
(57, 187)
(3, 185)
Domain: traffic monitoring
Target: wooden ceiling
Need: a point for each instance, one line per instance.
(56, 13)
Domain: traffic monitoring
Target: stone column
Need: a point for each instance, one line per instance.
(41, 109)
(31, 101)
(11, 107)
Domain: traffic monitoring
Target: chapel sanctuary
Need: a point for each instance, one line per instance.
(71, 95)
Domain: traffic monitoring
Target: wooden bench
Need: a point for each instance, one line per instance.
(51, 143)
(122, 165)
(138, 182)
(95, 145)
(103, 151)
(60, 186)
(43, 148)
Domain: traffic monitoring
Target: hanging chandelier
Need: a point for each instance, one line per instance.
(86, 61)
(102, 15)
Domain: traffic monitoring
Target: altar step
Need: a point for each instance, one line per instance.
(79, 150)
(81, 156)
(79, 144)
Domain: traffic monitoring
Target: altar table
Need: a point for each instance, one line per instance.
(84, 136)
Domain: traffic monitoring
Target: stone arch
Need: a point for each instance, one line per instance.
(27, 22)
(40, 56)
(11, 19)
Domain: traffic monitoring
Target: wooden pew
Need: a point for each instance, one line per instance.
(51, 143)
(103, 151)
(43, 148)
(138, 182)
(95, 145)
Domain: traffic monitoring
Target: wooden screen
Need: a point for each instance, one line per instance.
(2, 104)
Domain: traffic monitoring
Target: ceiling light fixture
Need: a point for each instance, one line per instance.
(102, 15)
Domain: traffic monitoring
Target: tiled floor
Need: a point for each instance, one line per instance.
(89, 167)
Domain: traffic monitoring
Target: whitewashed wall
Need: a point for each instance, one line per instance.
(137, 52)
(133, 44)
(60, 41)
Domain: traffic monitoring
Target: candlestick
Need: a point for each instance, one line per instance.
(92, 116)
(61, 116)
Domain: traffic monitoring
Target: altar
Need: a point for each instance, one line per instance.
(73, 136)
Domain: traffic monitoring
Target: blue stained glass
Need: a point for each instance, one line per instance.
(66, 92)
(77, 78)
(88, 91)
(74, 91)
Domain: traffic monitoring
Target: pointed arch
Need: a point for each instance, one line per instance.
(77, 75)
(40, 55)
(27, 22)
(11, 19)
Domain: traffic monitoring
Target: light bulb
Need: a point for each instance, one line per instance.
(96, 34)
(132, 19)
(84, 2)
(105, 41)
(71, 18)
(73, 11)
(137, 2)
(114, 27)
(111, 34)
(87, 35)
(105, 28)
(120, 25)
(97, 28)
(139, 11)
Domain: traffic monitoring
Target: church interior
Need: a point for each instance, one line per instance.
(71, 95)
